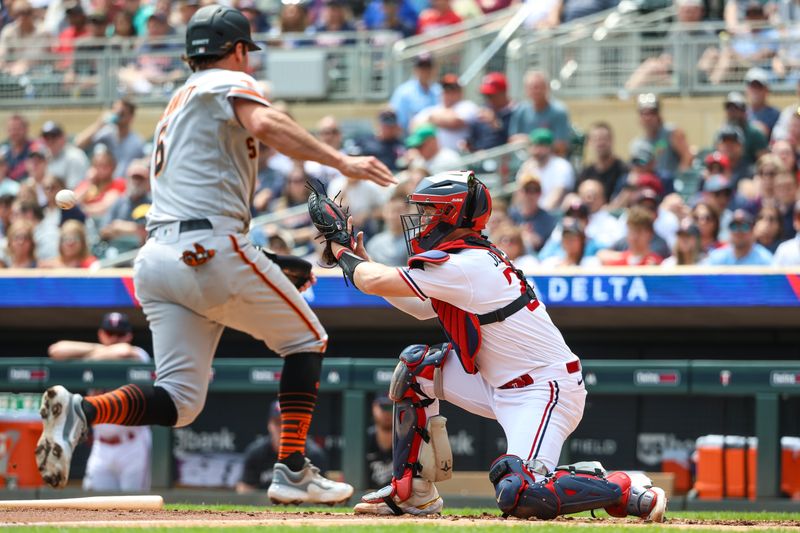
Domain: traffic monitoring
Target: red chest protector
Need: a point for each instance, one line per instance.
(463, 329)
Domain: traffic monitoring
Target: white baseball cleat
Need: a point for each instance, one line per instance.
(424, 500)
(305, 486)
(63, 427)
(656, 513)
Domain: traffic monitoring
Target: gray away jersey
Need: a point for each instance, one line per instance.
(204, 162)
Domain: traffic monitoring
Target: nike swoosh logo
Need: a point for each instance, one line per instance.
(580, 381)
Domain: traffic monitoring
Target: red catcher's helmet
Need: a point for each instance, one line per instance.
(458, 199)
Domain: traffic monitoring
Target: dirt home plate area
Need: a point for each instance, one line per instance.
(166, 518)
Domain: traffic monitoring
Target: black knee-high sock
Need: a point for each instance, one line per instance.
(131, 405)
(297, 398)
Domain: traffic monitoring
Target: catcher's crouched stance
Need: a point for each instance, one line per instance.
(504, 360)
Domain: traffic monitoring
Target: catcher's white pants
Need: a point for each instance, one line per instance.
(536, 419)
(188, 307)
(120, 467)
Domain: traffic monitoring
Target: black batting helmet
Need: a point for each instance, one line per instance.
(214, 30)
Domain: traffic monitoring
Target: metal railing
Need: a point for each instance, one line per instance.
(648, 56)
(348, 66)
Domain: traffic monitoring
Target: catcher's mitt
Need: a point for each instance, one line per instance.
(330, 219)
(297, 270)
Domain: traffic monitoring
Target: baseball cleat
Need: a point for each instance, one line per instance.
(424, 500)
(63, 427)
(656, 513)
(305, 486)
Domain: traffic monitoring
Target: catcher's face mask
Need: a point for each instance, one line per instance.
(424, 229)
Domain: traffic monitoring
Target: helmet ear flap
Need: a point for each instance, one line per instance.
(478, 202)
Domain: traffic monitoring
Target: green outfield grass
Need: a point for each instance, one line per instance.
(489, 526)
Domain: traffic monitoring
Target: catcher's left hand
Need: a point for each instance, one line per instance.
(296, 269)
(330, 219)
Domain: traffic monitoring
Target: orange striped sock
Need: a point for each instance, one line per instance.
(296, 411)
(124, 406)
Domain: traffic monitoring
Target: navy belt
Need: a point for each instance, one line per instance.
(191, 225)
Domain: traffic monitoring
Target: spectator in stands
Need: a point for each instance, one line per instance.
(451, 116)
(335, 16)
(602, 227)
(640, 235)
(262, 454)
(555, 173)
(273, 167)
(676, 62)
(688, 249)
(77, 27)
(249, 8)
(6, 201)
(706, 217)
(82, 76)
(491, 127)
(123, 27)
(21, 41)
(139, 12)
(389, 246)
(27, 208)
(717, 163)
(730, 141)
(788, 253)
(379, 442)
(363, 198)
(668, 142)
(759, 112)
(781, 129)
(387, 142)
(73, 248)
(36, 166)
(606, 168)
(48, 230)
(20, 247)
(786, 193)
(785, 152)
(541, 111)
(768, 227)
(510, 241)
(537, 224)
(98, 192)
(417, 93)
(753, 43)
(743, 248)
(114, 129)
(393, 15)
(753, 193)
(718, 192)
(574, 210)
(119, 224)
(424, 151)
(293, 18)
(642, 172)
(439, 14)
(186, 8)
(755, 141)
(573, 250)
(8, 187)
(665, 222)
(295, 193)
(18, 144)
(153, 70)
(67, 161)
(330, 133)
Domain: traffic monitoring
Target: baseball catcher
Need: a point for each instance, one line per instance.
(504, 359)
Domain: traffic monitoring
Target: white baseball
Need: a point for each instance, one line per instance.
(65, 199)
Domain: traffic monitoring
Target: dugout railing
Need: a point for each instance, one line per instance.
(769, 383)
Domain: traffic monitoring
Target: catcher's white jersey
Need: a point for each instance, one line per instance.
(204, 162)
(475, 281)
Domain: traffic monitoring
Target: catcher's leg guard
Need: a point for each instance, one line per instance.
(571, 489)
(420, 447)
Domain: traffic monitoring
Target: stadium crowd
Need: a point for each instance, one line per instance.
(732, 202)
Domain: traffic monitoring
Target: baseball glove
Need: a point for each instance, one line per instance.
(297, 270)
(330, 219)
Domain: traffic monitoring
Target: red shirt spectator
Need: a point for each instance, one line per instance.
(77, 28)
(627, 258)
(440, 14)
